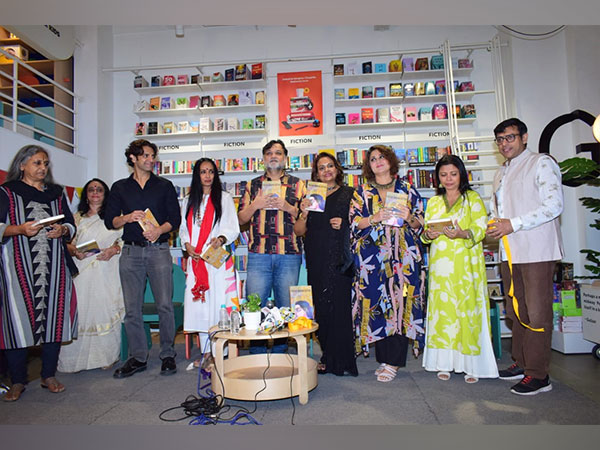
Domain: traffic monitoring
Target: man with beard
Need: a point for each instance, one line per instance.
(274, 251)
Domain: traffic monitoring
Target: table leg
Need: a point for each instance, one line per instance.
(302, 369)
(232, 349)
(219, 366)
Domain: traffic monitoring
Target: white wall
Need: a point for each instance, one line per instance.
(548, 77)
(68, 169)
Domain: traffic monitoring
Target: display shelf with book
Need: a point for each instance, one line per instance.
(407, 124)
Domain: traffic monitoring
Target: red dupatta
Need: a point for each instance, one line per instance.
(199, 266)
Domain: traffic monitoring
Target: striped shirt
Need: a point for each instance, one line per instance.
(272, 231)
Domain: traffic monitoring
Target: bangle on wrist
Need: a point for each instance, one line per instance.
(369, 219)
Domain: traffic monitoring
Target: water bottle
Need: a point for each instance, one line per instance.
(235, 321)
(223, 318)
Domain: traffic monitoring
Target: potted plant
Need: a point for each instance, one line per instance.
(251, 311)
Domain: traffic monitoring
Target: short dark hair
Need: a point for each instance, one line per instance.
(314, 175)
(388, 153)
(513, 122)
(447, 160)
(136, 148)
(271, 143)
(84, 205)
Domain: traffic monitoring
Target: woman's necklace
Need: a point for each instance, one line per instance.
(332, 188)
(383, 186)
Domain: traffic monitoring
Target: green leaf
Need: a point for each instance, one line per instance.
(591, 203)
(574, 168)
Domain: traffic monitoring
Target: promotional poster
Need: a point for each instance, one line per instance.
(300, 98)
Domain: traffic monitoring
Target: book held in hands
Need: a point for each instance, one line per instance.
(439, 224)
(215, 256)
(49, 220)
(394, 201)
(271, 189)
(317, 193)
(148, 220)
(90, 247)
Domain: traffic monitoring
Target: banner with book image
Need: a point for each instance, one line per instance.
(300, 100)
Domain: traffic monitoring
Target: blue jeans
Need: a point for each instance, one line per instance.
(275, 273)
(135, 266)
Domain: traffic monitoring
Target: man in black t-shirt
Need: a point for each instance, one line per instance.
(145, 254)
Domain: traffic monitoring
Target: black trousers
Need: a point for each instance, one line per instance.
(17, 362)
(392, 350)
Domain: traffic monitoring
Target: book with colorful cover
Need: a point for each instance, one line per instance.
(271, 188)
(393, 201)
(88, 247)
(317, 193)
(215, 256)
(439, 224)
(147, 220)
(302, 302)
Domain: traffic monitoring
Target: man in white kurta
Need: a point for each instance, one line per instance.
(526, 205)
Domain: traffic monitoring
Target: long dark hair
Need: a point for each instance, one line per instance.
(446, 160)
(196, 190)
(314, 175)
(84, 205)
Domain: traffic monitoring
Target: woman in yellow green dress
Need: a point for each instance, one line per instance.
(458, 327)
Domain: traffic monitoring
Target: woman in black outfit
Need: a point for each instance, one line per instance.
(329, 264)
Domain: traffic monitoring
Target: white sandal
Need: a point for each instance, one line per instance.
(387, 374)
(470, 379)
(380, 369)
(443, 375)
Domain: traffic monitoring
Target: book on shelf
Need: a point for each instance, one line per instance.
(140, 105)
(302, 301)
(245, 97)
(340, 93)
(367, 92)
(429, 88)
(380, 68)
(257, 71)
(219, 100)
(408, 64)
(165, 103)
(90, 246)
(425, 113)
(409, 89)
(183, 127)
(233, 100)
(440, 87)
(271, 189)
(181, 103)
(242, 72)
(439, 224)
(206, 101)
(437, 62)
(353, 68)
(183, 79)
(396, 113)
(338, 69)
(383, 115)
(353, 93)
(248, 124)
(148, 220)
(215, 256)
(366, 115)
(367, 67)
(155, 103)
(169, 80)
(260, 121)
(152, 127)
(139, 82)
(394, 201)
(317, 193)
(194, 101)
(419, 88)
(395, 65)
(220, 124)
(233, 123)
(230, 74)
(340, 118)
(195, 79)
(422, 64)
(379, 91)
(140, 128)
(168, 127)
(259, 97)
(49, 220)
(156, 81)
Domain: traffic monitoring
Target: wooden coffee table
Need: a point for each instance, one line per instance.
(241, 377)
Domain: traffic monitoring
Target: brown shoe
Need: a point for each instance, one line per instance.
(53, 385)
(14, 393)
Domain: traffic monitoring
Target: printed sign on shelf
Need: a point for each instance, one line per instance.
(300, 99)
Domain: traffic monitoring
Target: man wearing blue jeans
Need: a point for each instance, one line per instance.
(145, 254)
(274, 251)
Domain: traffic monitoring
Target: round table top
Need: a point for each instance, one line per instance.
(246, 335)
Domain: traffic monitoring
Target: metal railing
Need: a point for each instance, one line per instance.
(15, 112)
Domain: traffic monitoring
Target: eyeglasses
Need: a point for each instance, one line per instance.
(98, 190)
(508, 138)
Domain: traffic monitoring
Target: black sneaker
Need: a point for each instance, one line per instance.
(514, 372)
(129, 368)
(532, 386)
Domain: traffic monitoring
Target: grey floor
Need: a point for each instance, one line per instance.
(415, 397)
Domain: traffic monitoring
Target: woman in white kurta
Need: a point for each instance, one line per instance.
(458, 323)
(208, 218)
(100, 301)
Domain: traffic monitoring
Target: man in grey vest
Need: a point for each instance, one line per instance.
(526, 204)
